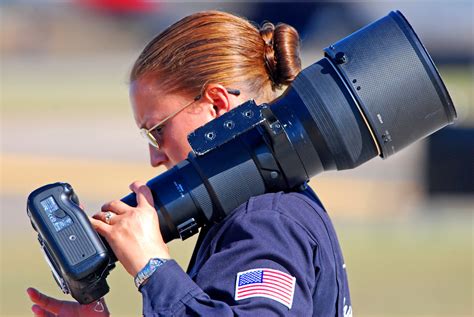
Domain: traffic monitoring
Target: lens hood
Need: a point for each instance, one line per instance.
(394, 81)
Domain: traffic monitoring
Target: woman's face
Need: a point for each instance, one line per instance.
(151, 105)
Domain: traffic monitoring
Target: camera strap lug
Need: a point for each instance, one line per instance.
(187, 228)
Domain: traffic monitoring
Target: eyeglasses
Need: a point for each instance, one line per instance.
(154, 135)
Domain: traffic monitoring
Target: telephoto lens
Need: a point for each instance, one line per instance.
(374, 93)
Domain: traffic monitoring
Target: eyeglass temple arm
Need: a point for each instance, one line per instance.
(231, 91)
(234, 92)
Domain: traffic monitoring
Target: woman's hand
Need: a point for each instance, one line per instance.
(132, 232)
(46, 306)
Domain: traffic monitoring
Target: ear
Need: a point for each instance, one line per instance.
(218, 98)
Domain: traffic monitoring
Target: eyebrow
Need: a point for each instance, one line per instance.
(143, 125)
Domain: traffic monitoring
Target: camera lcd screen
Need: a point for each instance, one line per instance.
(58, 217)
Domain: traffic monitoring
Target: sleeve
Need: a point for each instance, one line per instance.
(253, 241)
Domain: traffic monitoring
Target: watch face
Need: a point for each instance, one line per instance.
(156, 262)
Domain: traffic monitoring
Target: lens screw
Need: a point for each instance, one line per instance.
(273, 174)
(229, 124)
(248, 113)
(276, 127)
(341, 58)
(210, 135)
(303, 186)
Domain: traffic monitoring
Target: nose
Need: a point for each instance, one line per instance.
(157, 157)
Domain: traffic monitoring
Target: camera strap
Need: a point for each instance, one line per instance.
(99, 307)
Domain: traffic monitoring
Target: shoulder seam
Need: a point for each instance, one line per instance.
(279, 212)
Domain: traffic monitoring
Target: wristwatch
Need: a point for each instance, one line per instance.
(148, 270)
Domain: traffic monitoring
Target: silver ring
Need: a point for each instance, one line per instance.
(108, 216)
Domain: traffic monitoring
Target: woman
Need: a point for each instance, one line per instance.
(275, 255)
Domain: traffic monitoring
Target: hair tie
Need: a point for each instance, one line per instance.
(267, 32)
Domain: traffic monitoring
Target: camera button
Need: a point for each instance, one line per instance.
(59, 213)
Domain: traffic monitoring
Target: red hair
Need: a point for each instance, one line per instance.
(218, 47)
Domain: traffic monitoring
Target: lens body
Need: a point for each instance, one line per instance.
(204, 189)
(375, 92)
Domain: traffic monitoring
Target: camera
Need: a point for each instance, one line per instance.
(374, 93)
(79, 258)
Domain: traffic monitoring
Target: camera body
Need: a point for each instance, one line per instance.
(78, 257)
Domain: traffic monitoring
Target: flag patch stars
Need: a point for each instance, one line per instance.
(268, 283)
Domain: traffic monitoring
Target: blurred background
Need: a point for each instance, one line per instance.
(405, 224)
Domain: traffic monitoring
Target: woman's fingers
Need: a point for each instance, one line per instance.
(44, 302)
(144, 195)
(102, 216)
(101, 227)
(40, 312)
(117, 206)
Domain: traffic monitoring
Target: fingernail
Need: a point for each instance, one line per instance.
(36, 309)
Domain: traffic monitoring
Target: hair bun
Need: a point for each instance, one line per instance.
(281, 52)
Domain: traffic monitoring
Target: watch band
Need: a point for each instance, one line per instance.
(150, 268)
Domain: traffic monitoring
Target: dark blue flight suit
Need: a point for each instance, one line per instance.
(288, 232)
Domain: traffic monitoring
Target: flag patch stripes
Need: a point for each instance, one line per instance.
(268, 283)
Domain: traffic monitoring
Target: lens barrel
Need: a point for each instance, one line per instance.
(374, 93)
(319, 103)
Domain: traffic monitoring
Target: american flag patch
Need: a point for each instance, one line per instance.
(268, 283)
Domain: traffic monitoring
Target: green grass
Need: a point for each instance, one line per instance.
(420, 268)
